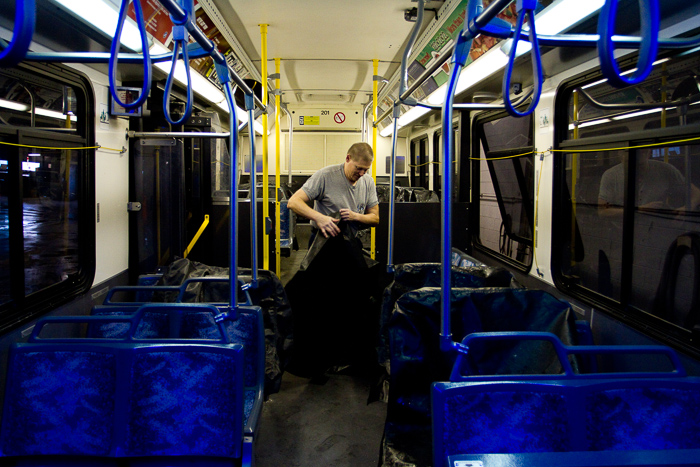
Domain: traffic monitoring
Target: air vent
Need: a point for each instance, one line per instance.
(331, 97)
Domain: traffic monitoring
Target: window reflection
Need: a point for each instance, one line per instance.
(663, 182)
(4, 231)
(50, 216)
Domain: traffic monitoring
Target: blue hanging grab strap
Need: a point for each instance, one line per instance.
(180, 36)
(525, 8)
(648, 47)
(25, 21)
(114, 56)
(181, 33)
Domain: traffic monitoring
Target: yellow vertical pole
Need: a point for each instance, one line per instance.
(375, 86)
(266, 194)
(278, 222)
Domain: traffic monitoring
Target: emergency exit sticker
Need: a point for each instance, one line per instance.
(309, 120)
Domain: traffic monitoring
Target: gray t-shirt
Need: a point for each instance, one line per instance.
(661, 182)
(331, 191)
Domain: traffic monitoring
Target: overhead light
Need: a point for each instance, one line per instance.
(104, 16)
(437, 97)
(480, 69)
(389, 130)
(563, 14)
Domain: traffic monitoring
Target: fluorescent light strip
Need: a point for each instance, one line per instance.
(388, 131)
(557, 17)
(104, 17)
(54, 114)
(563, 14)
(638, 114)
(38, 111)
(14, 105)
(592, 123)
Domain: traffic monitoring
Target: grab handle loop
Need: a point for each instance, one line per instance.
(25, 21)
(180, 36)
(114, 56)
(649, 33)
(180, 40)
(525, 8)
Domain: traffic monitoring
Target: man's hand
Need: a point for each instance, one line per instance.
(348, 215)
(328, 226)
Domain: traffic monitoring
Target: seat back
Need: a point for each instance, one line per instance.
(123, 400)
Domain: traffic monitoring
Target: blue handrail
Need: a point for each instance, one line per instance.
(25, 21)
(225, 79)
(180, 37)
(563, 352)
(250, 107)
(525, 8)
(649, 17)
(114, 57)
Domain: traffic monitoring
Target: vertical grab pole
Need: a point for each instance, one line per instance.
(392, 201)
(375, 88)
(459, 59)
(278, 223)
(250, 107)
(266, 194)
(224, 78)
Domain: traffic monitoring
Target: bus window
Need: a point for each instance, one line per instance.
(47, 240)
(419, 163)
(629, 219)
(504, 173)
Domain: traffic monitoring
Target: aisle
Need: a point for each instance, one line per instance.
(321, 424)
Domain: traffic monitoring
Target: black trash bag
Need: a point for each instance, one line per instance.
(335, 299)
(412, 276)
(426, 196)
(417, 361)
(269, 295)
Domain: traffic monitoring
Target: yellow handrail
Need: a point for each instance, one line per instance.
(278, 223)
(266, 194)
(204, 225)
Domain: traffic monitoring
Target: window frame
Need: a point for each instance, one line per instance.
(22, 308)
(477, 123)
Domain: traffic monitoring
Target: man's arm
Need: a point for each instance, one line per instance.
(370, 217)
(327, 225)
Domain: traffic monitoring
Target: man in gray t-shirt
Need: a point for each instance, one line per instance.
(344, 188)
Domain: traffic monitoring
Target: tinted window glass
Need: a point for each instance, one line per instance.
(506, 187)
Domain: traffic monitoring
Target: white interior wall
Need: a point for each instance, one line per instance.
(111, 185)
(313, 151)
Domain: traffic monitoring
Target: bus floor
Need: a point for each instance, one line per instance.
(324, 421)
(321, 424)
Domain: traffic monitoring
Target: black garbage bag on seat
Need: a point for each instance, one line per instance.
(417, 361)
(412, 276)
(269, 295)
(335, 299)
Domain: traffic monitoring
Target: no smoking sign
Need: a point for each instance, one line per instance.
(339, 117)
